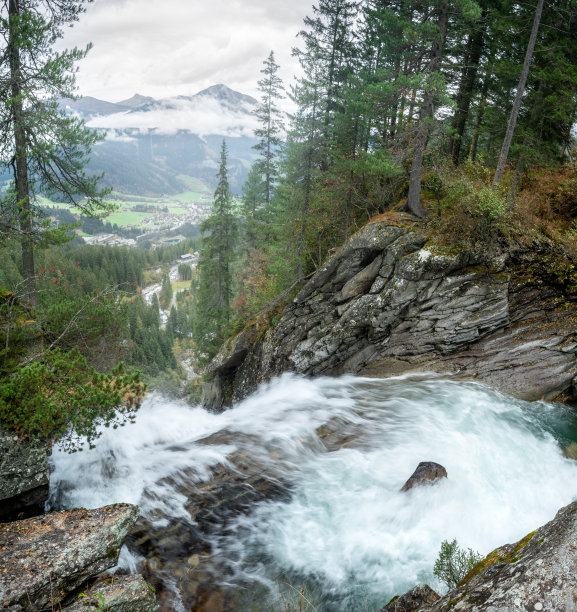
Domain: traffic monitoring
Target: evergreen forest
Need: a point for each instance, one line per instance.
(456, 115)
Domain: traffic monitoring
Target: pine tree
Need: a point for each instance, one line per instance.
(39, 146)
(214, 294)
(270, 118)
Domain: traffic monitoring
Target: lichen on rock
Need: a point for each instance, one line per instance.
(46, 557)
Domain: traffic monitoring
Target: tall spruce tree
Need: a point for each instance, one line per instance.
(271, 125)
(40, 146)
(215, 290)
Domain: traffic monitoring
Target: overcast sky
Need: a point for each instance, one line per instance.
(163, 48)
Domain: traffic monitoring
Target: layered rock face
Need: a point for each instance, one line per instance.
(386, 304)
(23, 476)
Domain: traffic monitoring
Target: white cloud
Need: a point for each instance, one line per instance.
(118, 136)
(202, 116)
(182, 46)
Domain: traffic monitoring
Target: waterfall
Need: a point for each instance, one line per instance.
(336, 453)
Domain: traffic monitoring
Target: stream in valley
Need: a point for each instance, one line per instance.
(300, 485)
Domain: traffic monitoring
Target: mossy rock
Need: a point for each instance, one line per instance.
(499, 555)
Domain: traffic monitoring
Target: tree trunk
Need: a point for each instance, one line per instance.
(466, 88)
(426, 113)
(479, 120)
(516, 182)
(20, 155)
(517, 104)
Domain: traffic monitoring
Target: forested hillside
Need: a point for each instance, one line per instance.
(460, 113)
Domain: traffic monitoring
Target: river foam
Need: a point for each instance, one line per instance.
(346, 530)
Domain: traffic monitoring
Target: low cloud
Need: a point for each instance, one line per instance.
(118, 136)
(202, 116)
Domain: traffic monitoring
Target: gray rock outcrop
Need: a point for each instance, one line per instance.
(387, 303)
(412, 600)
(23, 475)
(117, 594)
(427, 473)
(46, 557)
(536, 573)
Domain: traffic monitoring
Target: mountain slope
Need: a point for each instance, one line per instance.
(149, 142)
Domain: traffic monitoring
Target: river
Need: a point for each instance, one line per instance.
(333, 455)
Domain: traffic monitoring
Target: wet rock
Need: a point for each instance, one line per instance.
(182, 548)
(570, 451)
(412, 600)
(385, 304)
(46, 557)
(23, 476)
(427, 472)
(536, 573)
(117, 594)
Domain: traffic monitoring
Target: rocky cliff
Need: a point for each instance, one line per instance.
(48, 560)
(535, 573)
(23, 476)
(389, 302)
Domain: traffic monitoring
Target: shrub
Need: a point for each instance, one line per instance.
(454, 563)
(59, 398)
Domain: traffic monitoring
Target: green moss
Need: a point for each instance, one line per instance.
(497, 557)
(113, 553)
(394, 598)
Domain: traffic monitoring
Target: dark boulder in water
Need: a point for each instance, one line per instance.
(427, 472)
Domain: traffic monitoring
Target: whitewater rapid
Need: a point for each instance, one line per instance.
(345, 529)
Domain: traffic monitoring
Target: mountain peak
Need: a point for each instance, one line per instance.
(226, 94)
(136, 101)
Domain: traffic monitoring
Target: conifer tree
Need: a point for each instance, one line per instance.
(215, 290)
(270, 118)
(40, 146)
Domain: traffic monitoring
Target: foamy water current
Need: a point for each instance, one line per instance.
(340, 450)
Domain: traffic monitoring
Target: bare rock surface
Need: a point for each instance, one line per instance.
(44, 558)
(387, 303)
(537, 573)
(117, 594)
(427, 472)
(412, 600)
(23, 474)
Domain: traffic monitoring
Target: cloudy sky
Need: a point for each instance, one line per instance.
(169, 47)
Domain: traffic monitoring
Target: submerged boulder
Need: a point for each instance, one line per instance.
(46, 557)
(427, 472)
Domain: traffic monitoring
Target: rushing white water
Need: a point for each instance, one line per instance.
(346, 529)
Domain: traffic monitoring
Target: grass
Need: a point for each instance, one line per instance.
(194, 183)
(190, 197)
(125, 218)
(180, 285)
